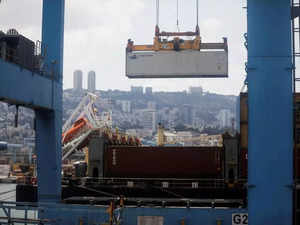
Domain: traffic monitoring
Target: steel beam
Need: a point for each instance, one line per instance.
(17, 87)
(270, 112)
(49, 123)
(89, 214)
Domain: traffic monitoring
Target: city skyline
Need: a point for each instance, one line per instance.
(90, 78)
(78, 80)
(98, 40)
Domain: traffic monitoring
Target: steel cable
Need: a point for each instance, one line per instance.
(157, 12)
(197, 6)
(177, 15)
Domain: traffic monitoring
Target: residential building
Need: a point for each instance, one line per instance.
(187, 111)
(196, 90)
(149, 119)
(137, 90)
(151, 105)
(126, 106)
(224, 118)
(148, 90)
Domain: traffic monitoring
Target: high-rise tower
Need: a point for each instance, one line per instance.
(77, 80)
(91, 81)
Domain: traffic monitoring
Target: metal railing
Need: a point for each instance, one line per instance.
(12, 213)
(164, 182)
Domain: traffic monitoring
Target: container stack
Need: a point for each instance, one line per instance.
(2, 46)
(244, 135)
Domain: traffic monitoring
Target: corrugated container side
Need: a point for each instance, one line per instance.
(244, 163)
(237, 114)
(244, 120)
(243, 155)
(297, 137)
(164, 162)
(25, 51)
(172, 64)
(244, 136)
(244, 107)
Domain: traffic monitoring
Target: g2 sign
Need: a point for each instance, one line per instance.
(240, 219)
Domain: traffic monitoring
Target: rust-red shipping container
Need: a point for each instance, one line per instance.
(244, 163)
(163, 162)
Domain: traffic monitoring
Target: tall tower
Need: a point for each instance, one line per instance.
(92, 81)
(77, 80)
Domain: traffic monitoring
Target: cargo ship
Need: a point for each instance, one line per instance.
(204, 175)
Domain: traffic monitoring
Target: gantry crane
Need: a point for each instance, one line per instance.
(269, 70)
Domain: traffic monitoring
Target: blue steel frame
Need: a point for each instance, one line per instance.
(97, 215)
(49, 123)
(270, 123)
(73, 214)
(11, 213)
(270, 103)
(44, 95)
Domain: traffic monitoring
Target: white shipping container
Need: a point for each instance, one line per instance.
(173, 64)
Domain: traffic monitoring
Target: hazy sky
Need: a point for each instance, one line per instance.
(96, 33)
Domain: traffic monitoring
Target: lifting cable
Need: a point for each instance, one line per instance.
(177, 21)
(197, 13)
(157, 12)
(197, 8)
(177, 16)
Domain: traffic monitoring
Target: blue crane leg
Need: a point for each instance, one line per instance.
(49, 123)
(270, 112)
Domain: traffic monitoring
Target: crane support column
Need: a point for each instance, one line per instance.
(49, 122)
(270, 112)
